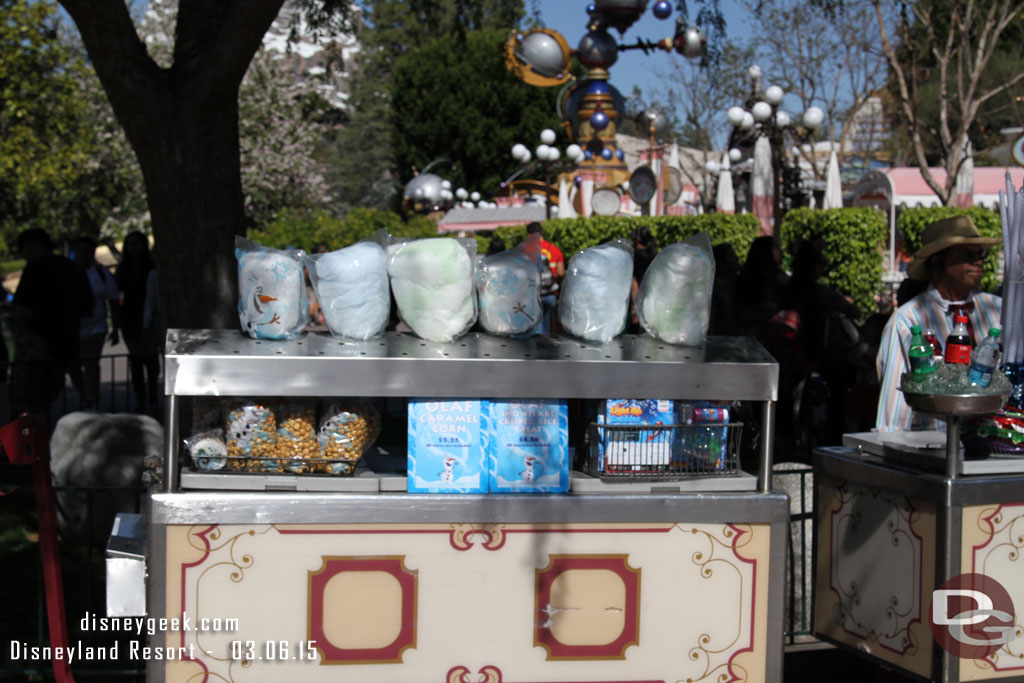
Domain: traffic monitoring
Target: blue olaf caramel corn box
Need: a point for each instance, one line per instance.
(527, 446)
(446, 448)
(645, 448)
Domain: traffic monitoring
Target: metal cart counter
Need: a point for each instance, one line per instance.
(895, 522)
(663, 581)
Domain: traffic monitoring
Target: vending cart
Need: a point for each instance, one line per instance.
(315, 578)
(900, 515)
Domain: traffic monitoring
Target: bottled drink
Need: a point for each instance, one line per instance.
(922, 356)
(985, 358)
(929, 336)
(958, 343)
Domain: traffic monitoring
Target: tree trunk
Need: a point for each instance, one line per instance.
(193, 181)
(182, 123)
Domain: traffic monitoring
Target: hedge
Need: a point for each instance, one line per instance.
(853, 248)
(575, 234)
(912, 222)
(308, 230)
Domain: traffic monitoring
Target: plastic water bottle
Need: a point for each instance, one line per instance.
(922, 355)
(984, 361)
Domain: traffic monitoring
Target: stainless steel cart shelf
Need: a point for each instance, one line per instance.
(227, 363)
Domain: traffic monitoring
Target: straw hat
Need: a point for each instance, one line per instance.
(943, 234)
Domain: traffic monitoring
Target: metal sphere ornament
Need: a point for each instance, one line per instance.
(424, 188)
(691, 43)
(620, 13)
(597, 50)
(577, 180)
(591, 9)
(620, 155)
(662, 9)
(599, 120)
(543, 54)
(547, 136)
(588, 155)
(606, 154)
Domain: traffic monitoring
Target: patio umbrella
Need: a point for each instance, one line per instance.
(762, 186)
(565, 208)
(965, 177)
(833, 185)
(725, 198)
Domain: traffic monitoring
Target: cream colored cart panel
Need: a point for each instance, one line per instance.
(455, 603)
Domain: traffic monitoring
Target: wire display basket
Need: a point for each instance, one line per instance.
(675, 451)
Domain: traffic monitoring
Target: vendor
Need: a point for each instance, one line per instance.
(950, 259)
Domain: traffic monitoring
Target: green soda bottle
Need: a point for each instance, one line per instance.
(922, 356)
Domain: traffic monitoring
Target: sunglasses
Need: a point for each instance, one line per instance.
(968, 255)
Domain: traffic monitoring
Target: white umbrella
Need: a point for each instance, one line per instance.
(725, 198)
(762, 187)
(965, 177)
(833, 185)
(565, 208)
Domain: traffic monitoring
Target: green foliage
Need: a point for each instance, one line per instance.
(912, 222)
(44, 133)
(366, 167)
(311, 230)
(852, 252)
(575, 234)
(459, 101)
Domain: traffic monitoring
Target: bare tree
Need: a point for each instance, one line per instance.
(698, 96)
(820, 55)
(961, 38)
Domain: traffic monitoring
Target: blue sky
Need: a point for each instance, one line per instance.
(569, 17)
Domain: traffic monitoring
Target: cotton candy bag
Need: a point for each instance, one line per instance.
(271, 291)
(595, 293)
(432, 280)
(674, 300)
(351, 285)
(508, 289)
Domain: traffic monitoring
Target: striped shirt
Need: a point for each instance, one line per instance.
(929, 310)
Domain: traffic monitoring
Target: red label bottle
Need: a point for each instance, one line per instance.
(959, 342)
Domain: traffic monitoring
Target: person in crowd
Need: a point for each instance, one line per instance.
(133, 279)
(85, 374)
(759, 287)
(552, 256)
(645, 248)
(827, 337)
(951, 261)
(724, 317)
(496, 246)
(52, 298)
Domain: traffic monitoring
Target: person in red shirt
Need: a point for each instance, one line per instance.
(549, 286)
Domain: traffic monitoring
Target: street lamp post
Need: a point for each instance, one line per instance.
(762, 117)
(547, 156)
